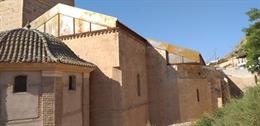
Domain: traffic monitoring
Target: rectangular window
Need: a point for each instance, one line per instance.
(198, 95)
(72, 82)
(138, 85)
(167, 57)
(20, 84)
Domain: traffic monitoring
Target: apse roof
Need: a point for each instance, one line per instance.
(32, 46)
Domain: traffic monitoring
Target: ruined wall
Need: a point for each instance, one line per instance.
(10, 14)
(101, 48)
(132, 52)
(20, 107)
(163, 93)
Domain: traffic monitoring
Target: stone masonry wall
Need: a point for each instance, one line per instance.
(86, 99)
(10, 14)
(32, 9)
(101, 48)
(16, 13)
(132, 52)
(163, 89)
(194, 92)
(72, 109)
(23, 108)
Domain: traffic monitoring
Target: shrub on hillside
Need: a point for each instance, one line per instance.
(239, 112)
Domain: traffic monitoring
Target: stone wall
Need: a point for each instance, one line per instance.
(16, 13)
(171, 89)
(62, 106)
(72, 109)
(32, 9)
(86, 100)
(180, 93)
(102, 49)
(47, 101)
(217, 87)
(20, 109)
(11, 14)
(199, 91)
(132, 54)
(163, 89)
(120, 57)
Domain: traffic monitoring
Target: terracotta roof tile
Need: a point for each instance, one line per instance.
(32, 46)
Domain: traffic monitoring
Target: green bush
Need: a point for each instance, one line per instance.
(239, 112)
(204, 121)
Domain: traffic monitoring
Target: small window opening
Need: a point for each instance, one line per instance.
(20, 84)
(167, 57)
(198, 95)
(72, 82)
(138, 85)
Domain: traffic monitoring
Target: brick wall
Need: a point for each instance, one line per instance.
(48, 101)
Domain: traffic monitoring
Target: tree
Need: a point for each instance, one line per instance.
(252, 45)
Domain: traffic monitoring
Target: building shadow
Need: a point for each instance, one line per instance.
(7, 97)
(105, 99)
(3, 111)
(166, 106)
(162, 90)
(235, 91)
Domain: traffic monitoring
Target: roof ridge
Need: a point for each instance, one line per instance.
(46, 46)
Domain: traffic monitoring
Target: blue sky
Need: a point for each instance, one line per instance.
(207, 26)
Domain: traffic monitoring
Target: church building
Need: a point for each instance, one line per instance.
(65, 66)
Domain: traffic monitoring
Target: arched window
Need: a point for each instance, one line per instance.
(20, 84)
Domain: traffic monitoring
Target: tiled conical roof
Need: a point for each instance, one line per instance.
(32, 46)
